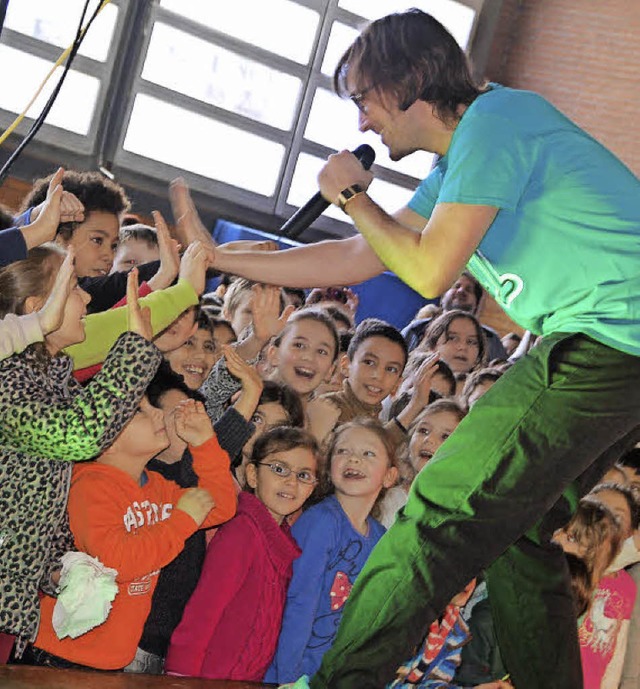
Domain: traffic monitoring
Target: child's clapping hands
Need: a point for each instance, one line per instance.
(193, 424)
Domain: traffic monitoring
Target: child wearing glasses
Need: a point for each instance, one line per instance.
(231, 623)
(336, 536)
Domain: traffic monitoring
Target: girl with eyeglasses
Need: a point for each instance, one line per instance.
(230, 626)
(336, 536)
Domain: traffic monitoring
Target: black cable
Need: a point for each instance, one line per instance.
(35, 127)
(3, 12)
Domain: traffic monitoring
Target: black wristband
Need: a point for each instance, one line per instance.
(399, 424)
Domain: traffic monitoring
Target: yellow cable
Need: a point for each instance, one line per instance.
(57, 63)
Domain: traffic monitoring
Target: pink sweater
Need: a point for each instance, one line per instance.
(231, 624)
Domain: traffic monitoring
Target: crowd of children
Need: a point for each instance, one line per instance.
(235, 456)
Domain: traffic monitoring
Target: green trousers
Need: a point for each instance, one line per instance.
(490, 500)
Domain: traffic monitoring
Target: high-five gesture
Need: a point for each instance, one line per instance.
(52, 313)
(139, 319)
(169, 255)
(189, 227)
(193, 266)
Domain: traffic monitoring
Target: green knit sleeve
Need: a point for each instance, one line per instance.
(103, 329)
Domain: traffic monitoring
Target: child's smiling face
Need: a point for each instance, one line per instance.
(427, 436)
(305, 357)
(360, 464)
(374, 372)
(283, 495)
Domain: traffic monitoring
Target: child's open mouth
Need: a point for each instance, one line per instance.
(306, 373)
(353, 474)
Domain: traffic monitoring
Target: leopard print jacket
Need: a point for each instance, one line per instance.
(48, 421)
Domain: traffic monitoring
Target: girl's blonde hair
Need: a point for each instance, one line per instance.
(31, 277)
(598, 533)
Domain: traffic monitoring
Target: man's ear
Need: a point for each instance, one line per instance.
(33, 304)
(344, 363)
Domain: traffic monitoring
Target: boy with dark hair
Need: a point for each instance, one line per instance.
(138, 244)
(377, 355)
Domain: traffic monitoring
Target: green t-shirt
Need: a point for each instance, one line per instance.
(563, 253)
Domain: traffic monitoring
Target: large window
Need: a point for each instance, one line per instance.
(235, 95)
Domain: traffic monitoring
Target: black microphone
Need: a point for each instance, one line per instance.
(317, 204)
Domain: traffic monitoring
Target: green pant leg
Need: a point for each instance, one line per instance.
(538, 429)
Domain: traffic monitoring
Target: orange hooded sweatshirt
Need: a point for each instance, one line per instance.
(136, 530)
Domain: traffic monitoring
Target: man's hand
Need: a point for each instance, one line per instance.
(342, 170)
(197, 503)
(169, 255)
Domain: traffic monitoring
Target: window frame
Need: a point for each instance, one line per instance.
(145, 179)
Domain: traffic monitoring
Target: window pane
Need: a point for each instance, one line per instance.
(57, 22)
(458, 18)
(214, 75)
(193, 142)
(304, 185)
(266, 24)
(333, 122)
(341, 37)
(74, 105)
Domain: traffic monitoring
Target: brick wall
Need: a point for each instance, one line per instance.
(583, 56)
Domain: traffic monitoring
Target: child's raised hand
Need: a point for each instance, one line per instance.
(139, 319)
(193, 266)
(197, 503)
(265, 307)
(169, 255)
(422, 380)
(352, 300)
(249, 377)
(52, 313)
(189, 227)
(193, 424)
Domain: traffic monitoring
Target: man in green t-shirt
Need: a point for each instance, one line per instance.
(548, 221)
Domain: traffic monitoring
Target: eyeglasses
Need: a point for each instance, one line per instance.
(282, 470)
(358, 99)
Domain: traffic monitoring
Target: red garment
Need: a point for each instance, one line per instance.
(136, 530)
(612, 603)
(84, 374)
(231, 624)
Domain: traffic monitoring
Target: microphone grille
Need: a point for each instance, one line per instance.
(365, 154)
